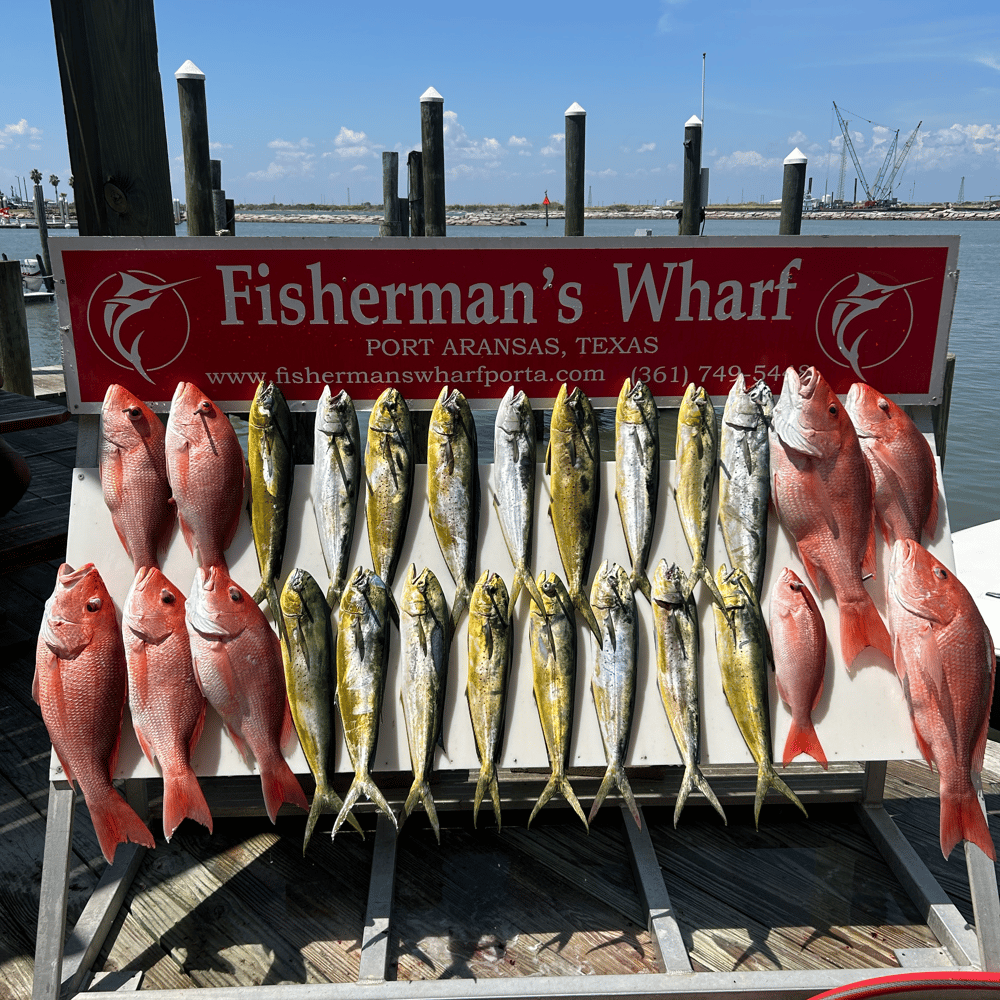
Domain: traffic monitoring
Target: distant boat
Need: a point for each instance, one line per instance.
(33, 282)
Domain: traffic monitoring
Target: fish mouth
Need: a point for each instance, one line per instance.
(918, 601)
(795, 392)
(69, 577)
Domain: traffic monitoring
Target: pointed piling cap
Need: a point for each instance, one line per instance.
(692, 121)
(574, 109)
(430, 95)
(796, 156)
(189, 72)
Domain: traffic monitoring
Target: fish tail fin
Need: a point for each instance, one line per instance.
(183, 799)
(333, 594)
(640, 581)
(393, 606)
(532, 588)
(487, 783)
(706, 575)
(802, 738)
(460, 606)
(862, 626)
(279, 785)
(116, 822)
(693, 778)
(567, 789)
(515, 591)
(962, 819)
(587, 612)
(767, 778)
(420, 791)
(615, 775)
(326, 800)
(547, 792)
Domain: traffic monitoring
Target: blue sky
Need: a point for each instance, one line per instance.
(304, 97)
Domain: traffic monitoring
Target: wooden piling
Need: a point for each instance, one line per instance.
(113, 106)
(231, 216)
(15, 352)
(390, 195)
(197, 162)
(403, 215)
(432, 145)
(690, 220)
(576, 128)
(415, 191)
(43, 228)
(793, 189)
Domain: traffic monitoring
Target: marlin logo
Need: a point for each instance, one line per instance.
(134, 296)
(867, 296)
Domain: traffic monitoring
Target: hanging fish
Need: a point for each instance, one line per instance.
(574, 467)
(678, 658)
(637, 475)
(336, 478)
(490, 651)
(453, 492)
(514, 487)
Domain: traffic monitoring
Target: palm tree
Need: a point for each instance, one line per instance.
(36, 176)
(54, 181)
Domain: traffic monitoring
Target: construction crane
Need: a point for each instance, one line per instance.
(961, 193)
(880, 193)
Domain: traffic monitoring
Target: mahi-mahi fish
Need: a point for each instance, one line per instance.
(514, 486)
(362, 653)
(637, 475)
(744, 477)
(389, 464)
(574, 467)
(678, 656)
(613, 683)
(453, 492)
(307, 651)
(336, 477)
(490, 649)
(741, 643)
(425, 638)
(697, 457)
(552, 637)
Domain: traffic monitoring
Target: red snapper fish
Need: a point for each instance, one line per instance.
(168, 708)
(798, 642)
(944, 654)
(133, 469)
(207, 472)
(237, 660)
(823, 496)
(80, 685)
(902, 464)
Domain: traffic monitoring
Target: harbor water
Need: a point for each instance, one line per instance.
(972, 469)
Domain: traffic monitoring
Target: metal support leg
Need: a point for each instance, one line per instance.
(653, 895)
(375, 943)
(54, 891)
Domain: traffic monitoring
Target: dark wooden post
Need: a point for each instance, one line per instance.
(15, 352)
(113, 102)
(432, 144)
(390, 194)
(231, 216)
(43, 226)
(197, 162)
(576, 128)
(793, 189)
(403, 215)
(690, 219)
(415, 192)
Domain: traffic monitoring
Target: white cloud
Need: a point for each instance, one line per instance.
(665, 23)
(292, 159)
(458, 143)
(797, 138)
(966, 146)
(286, 144)
(20, 133)
(556, 145)
(518, 141)
(993, 62)
(607, 173)
(746, 159)
(360, 168)
(220, 145)
(646, 147)
(351, 145)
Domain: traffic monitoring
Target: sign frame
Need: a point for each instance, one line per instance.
(70, 309)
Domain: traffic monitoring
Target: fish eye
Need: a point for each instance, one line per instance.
(204, 407)
(833, 410)
(883, 404)
(235, 595)
(133, 412)
(940, 572)
(167, 596)
(94, 604)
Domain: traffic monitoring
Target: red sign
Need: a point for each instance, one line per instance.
(546, 202)
(481, 314)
